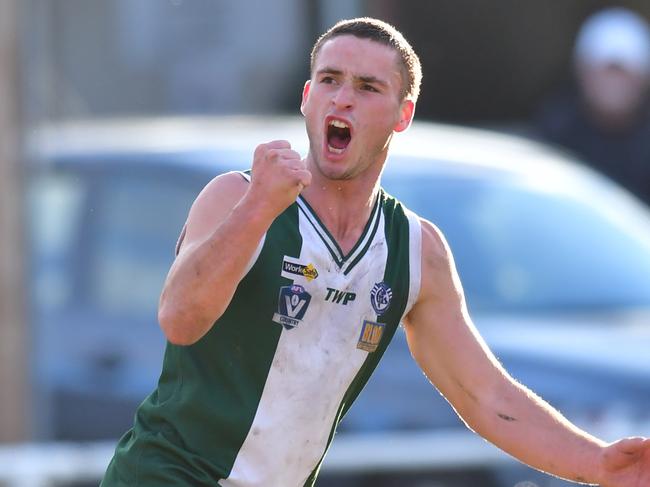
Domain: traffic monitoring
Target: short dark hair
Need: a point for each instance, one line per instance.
(384, 33)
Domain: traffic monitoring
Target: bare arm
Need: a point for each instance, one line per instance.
(454, 357)
(224, 227)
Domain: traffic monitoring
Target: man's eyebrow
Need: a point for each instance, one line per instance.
(372, 79)
(364, 78)
(328, 70)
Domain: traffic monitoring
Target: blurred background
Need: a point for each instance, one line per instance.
(114, 114)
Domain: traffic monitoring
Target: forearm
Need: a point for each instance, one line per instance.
(525, 426)
(203, 279)
(452, 354)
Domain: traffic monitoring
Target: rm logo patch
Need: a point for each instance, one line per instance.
(293, 302)
(370, 336)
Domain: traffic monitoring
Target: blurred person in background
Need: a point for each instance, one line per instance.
(290, 282)
(605, 119)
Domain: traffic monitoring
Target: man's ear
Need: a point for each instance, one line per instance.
(407, 110)
(305, 94)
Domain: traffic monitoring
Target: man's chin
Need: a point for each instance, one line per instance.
(336, 174)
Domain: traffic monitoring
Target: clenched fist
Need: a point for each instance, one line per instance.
(279, 175)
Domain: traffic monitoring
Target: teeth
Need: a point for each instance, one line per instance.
(334, 149)
(339, 124)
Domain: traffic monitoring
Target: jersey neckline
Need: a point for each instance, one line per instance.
(345, 262)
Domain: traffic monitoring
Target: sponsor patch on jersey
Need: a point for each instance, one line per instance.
(293, 302)
(339, 297)
(370, 336)
(291, 267)
(380, 297)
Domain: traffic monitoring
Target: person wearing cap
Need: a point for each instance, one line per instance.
(606, 120)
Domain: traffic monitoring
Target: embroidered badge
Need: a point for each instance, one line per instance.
(370, 336)
(293, 302)
(380, 297)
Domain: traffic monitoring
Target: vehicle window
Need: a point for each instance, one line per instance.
(103, 240)
(135, 227)
(55, 203)
(521, 247)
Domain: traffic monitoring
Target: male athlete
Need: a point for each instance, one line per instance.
(290, 282)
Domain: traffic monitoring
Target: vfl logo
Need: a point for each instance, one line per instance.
(308, 271)
(380, 297)
(370, 337)
(337, 296)
(292, 305)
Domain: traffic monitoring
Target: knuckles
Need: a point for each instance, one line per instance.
(273, 154)
(269, 146)
(278, 155)
(279, 144)
(280, 163)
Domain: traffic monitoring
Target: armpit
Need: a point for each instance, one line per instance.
(179, 242)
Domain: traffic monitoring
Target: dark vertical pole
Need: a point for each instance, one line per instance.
(13, 333)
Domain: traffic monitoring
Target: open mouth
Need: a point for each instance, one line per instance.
(338, 136)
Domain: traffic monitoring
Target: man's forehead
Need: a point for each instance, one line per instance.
(352, 50)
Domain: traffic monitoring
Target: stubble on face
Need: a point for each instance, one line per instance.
(373, 115)
(374, 155)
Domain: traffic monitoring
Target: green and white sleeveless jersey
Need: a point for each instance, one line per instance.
(256, 401)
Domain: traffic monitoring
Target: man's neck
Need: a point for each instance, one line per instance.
(343, 206)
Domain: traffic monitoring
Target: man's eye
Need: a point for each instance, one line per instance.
(327, 80)
(370, 88)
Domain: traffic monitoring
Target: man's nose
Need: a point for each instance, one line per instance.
(343, 97)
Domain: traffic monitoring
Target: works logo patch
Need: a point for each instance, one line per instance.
(293, 302)
(291, 267)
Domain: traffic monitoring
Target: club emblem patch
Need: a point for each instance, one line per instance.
(380, 297)
(370, 336)
(293, 302)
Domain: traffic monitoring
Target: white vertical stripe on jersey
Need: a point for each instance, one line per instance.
(313, 366)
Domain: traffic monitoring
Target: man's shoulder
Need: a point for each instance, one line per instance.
(225, 187)
(434, 246)
(435, 249)
(391, 202)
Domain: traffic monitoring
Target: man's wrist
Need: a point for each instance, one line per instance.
(255, 211)
(597, 470)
